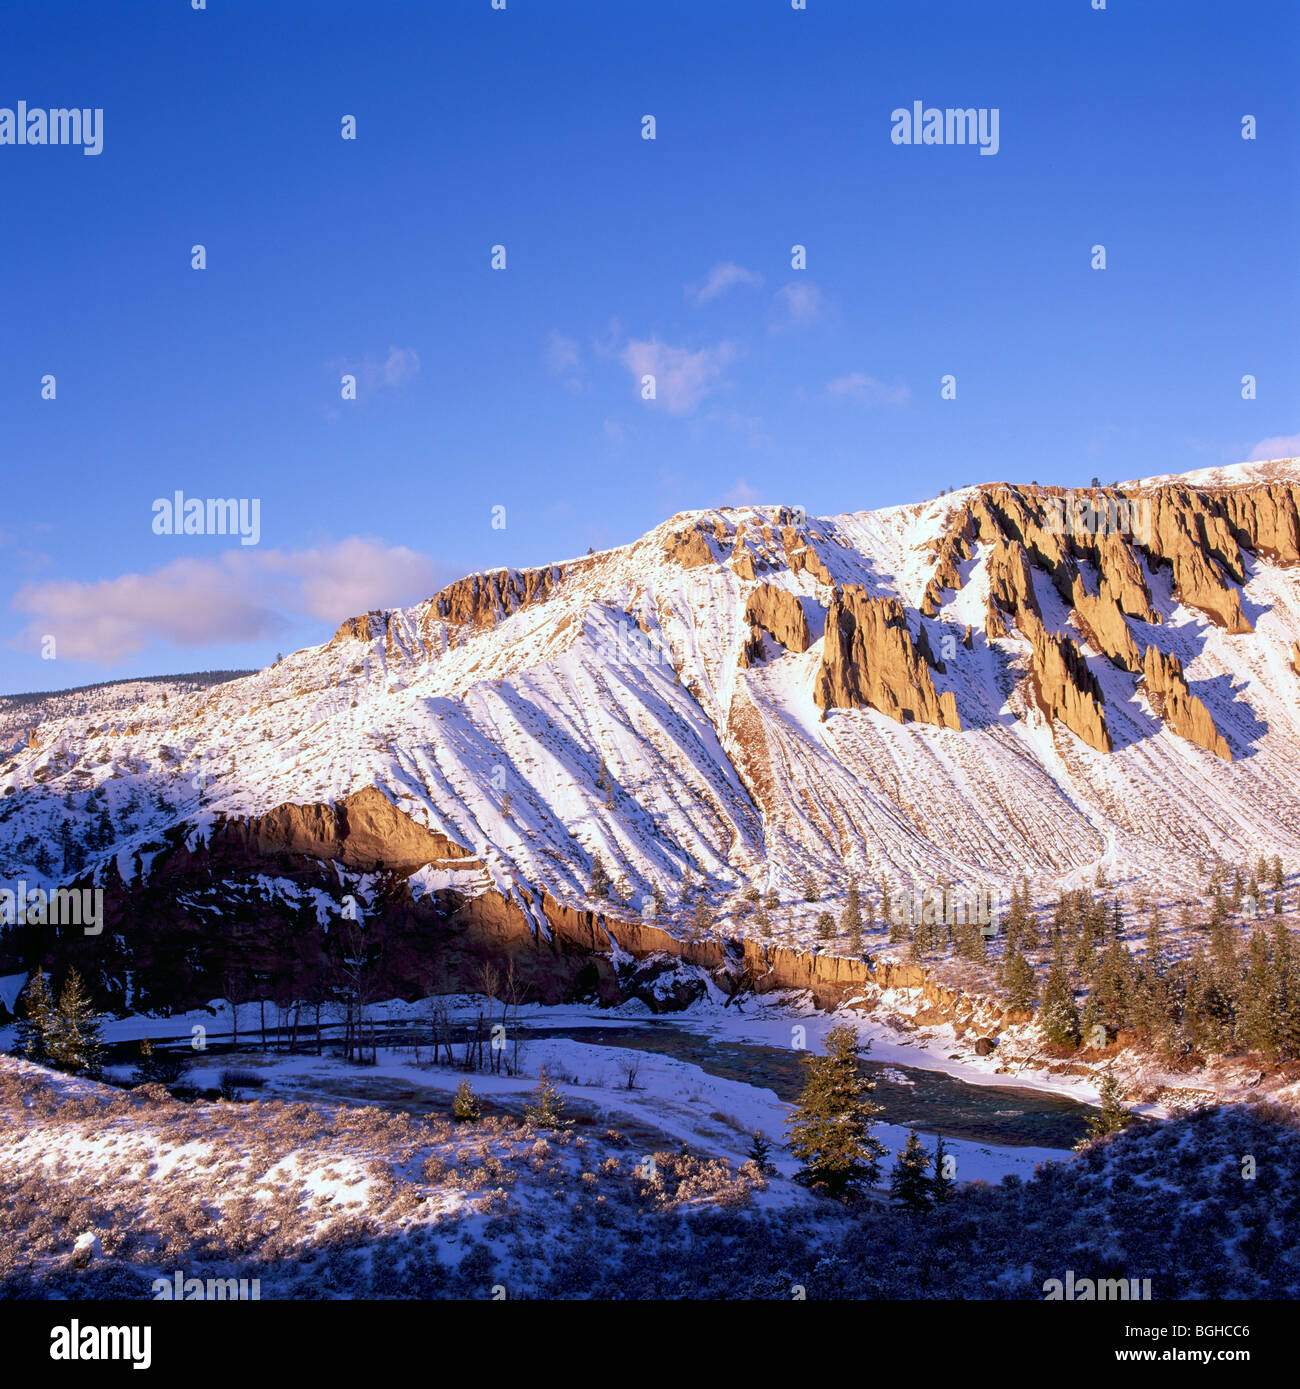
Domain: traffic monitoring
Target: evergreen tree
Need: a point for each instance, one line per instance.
(1018, 980)
(825, 926)
(830, 1129)
(851, 920)
(73, 1037)
(1207, 1016)
(1153, 960)
(600, 880)
(35, 1019)
(1263, 1006)
(1223, 951)
(702, 918)
(910, 1184)
(772, 901)
(153, 1069)
(942, 1181)
(464, 1105)
(1115, 987)
(760, 1152)
(1278, 877)
(1112, 1116)
(1058, 1017)
(545, 1109)
(764, 923)
(811, 892)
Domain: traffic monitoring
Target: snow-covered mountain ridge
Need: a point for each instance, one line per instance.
(741, 696)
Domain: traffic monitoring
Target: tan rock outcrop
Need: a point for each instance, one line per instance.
(690, 548)
(1188, 535)
(1188, 717)
(800, 554)
(870, 660)
(482, 600)
(1065, 687)
(780, 614)
(364, 831)
(1102, 622)
(364, 628)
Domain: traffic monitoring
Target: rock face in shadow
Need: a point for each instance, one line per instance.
(780, 614)
(869, 660)
(1181, 710)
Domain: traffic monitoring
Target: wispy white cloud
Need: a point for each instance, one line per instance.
(742, 494)
(380, 373)
(682, 377)
(563, 358)
(1278, 446)
(796, 305)
(720, 279)
(857, 385)
(241, 595)
(561, 353)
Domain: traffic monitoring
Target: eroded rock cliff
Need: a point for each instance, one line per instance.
(870, 660)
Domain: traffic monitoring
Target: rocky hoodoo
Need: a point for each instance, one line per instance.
(1192, 535)
(1065, 688)
(870, 660)
(1101, 619)
(781, 615)
(1182, 711)
(1092, 546)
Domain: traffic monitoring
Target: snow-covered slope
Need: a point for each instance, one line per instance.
(602, 707)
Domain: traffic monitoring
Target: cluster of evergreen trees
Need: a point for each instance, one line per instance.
(63, 1033)
(830, 1133)
(1232, 993)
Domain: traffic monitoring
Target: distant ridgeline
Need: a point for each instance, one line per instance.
(199, 679)
(21, 712)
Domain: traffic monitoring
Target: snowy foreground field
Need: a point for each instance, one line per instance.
(327, 1180)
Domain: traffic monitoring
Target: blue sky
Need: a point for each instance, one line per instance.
(520, 388)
